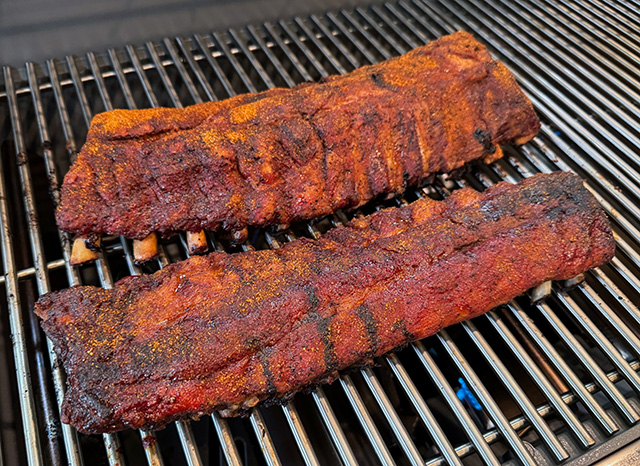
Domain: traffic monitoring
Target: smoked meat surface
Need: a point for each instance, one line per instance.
(226, 331)
(286, 155)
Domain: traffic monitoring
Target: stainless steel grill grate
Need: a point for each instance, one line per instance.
(555, 381)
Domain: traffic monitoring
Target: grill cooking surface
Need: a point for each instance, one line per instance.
(525, 384)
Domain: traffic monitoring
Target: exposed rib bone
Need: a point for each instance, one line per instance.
(573, 281)
(197, 242)
(146, 249)
(540, 292)
(80, 253)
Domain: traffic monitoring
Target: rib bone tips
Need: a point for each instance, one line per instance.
(80, 253)
(573, 281)
(197, 242)
(540, 292)
(145, 249)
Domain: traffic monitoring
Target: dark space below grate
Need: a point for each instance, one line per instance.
(556, 381)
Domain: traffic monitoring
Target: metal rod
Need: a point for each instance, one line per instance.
(574, 424)
(477, 440)
(516, 392)
(335, 431)
(369, 427)
(264, 438)
(429, 421)
(624, 368)
(19, 344)
(589, 364)
(41, 268)
(590, 403)
(485, 399)
(226, 441)
(275, 35)
(300, 435)
(399, 430)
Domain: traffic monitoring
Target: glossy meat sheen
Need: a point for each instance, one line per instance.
(223, 332)
(293, 154)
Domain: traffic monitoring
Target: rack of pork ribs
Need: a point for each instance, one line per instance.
(287, 155)
(224, 332)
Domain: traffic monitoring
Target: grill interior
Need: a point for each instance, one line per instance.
(555, 381)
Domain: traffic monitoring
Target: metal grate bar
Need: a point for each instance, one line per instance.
(429, 421)
(370, 429)
(344, 30)
(229, 449)
(135, 61)
(335, 431)
(623, 367)
(587, 361)
(304, 49)
(177, 62)
(252, 59)
(467, 424)
(287, 51)
(188, 442)
(618, 115)
(603, 418)
(592, 33)
(334, 41)
(584, 41)
(214, 65)
(516, 392)
(17, 327)
(365, 33)
(325, 51)
(41, 269)
(391, 25)
(255, 35)
(300, 435)
(594, 108)
(122, 80)
(578, 429)
(195, 67)
(611, 73)
(399, 49)
(264, 438)
(400, 432)
(608, 313)
(406, 23)
(602, 23)
(485, 399)
(222, 45)
(164, 77)
(615, 165)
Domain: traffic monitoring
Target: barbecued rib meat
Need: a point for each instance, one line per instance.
(225, 331)
(285, 155)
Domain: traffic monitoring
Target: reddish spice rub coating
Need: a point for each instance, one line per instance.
(285, 155)
(225, 331)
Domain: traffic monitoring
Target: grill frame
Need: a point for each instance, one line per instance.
(402, 25)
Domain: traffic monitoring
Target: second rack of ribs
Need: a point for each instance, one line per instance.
(225, 331)
(286, 155)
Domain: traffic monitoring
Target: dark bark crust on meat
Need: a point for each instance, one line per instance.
(226, 331)
(286, 155)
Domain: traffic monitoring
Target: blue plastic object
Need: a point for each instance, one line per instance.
(464, 394)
